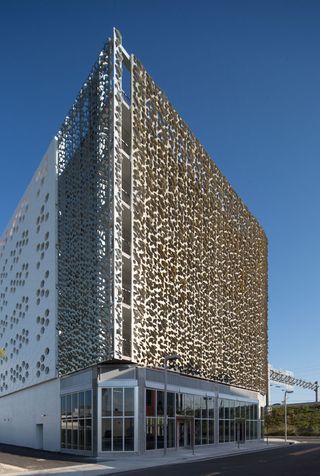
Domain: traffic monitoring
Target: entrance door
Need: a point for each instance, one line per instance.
(39, 436)
(183, 433)
(240, 431)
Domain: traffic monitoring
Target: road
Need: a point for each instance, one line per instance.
(296, 460)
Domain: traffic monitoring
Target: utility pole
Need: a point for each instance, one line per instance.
(285, 415)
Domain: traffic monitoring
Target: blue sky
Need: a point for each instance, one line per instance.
(244, 75)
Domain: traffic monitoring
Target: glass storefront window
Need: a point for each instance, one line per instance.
(170, 403)
(211, 407)
(63, 407)
(106, 434)
(197, 406)
(106, 402)
(205, 432)
(117, 402)
(87, 404)
(179, 404)
(237, 420)
(171, 440)
(160, 432)
(197, 432)
(74, 406)
(188, 403)
(81, 405)
(117, 412)
(204, 406)
(150, 402)
(150, 433)
(76, 432)
(68, 399)
(129, 434)
(117, 434)
(128, 402)
(221, 431)
(211, 431)
(160, 403)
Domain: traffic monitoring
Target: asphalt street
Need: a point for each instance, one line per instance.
(35, 460)
(296, 460)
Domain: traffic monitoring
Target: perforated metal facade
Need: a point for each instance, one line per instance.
(200, 257)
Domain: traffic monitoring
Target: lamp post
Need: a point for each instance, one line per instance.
(285, 414)
(166, 359)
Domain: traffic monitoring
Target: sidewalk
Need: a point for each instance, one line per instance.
(116, 464)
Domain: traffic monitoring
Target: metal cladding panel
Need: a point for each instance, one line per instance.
(28, 284)
(85, 223)
(117, 187)
(200, 257)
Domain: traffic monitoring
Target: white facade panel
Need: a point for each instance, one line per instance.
(28, 284)
(31, 417)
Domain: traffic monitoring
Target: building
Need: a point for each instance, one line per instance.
(130, 245)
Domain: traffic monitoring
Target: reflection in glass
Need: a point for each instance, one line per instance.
(81, 404)
(69, 436)
(204, 407)
(74, 405)
(179, 404)
(226, 431)
(106, 434)
(211, 431)
(221, 409)
(68, 403)
(221, 431)
(160, 432)
(171, 432)
(188, 404)
(117, 402)
(88, 433)
(232, 426)
(211, 407)
(129, 434)
(150, 433)
(197, 432)
(205, 432)
(75, 434)
(106, 402)
(81, 434)
(88, 403)
(63, 406)
(160, 403)
(197, 406)
(117, 434)
(170, 404)
(150, 402)
(129, 401)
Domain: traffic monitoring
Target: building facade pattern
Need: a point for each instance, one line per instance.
(85, 223)
(200, 272)
(27, 284)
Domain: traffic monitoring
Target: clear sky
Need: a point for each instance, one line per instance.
(244, 75)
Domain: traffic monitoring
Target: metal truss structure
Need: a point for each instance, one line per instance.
(280, 376)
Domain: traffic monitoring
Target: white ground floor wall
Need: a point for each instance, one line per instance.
(30, 417)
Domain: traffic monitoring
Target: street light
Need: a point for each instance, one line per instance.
(285, 414)
(166, 359)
